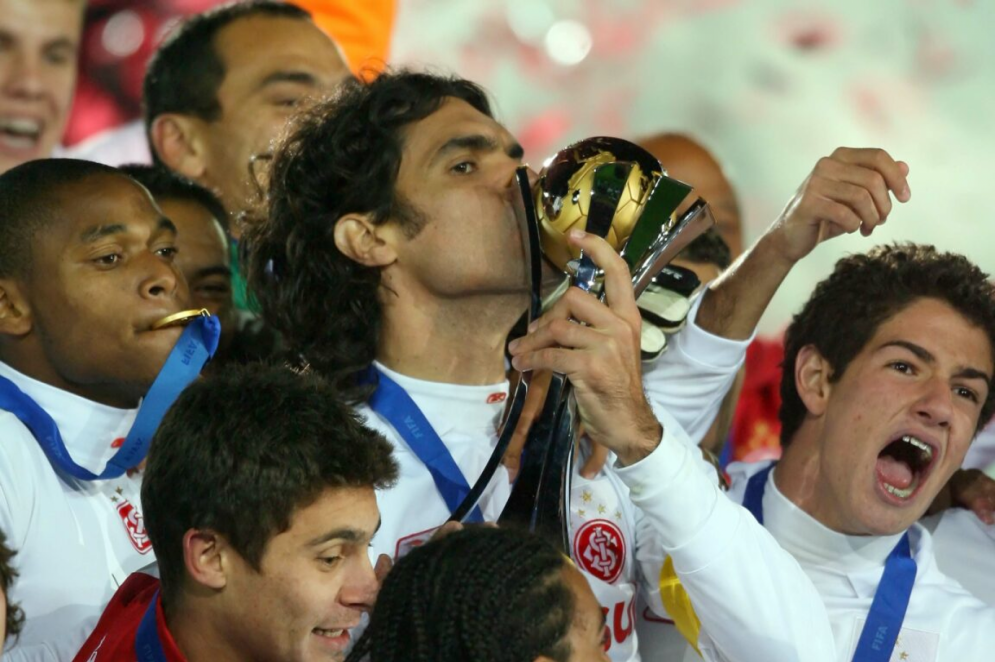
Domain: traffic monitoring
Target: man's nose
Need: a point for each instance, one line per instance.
(161, 279)
(359, 591)
(935, 404)
(24, 78)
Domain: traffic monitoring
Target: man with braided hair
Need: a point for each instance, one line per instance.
(485, 593)
(392, 262)
(11, 617)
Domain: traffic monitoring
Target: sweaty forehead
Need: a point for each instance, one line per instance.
(253, 47)
(454, 118)
(43, 19)
(940, 329)
(101, 199)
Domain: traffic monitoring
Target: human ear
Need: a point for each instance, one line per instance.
(204, 553)
(15, 315)
(812, 379)
(362, 241)
(176, 139)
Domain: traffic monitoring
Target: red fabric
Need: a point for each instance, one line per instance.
(756, 429)
(114, 636)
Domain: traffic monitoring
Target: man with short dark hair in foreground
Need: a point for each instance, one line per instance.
(259, 501)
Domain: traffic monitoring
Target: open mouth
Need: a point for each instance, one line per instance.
(181, 318)
(20, 133)
(904, 465)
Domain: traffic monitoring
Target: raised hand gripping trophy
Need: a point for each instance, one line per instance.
(619, 191)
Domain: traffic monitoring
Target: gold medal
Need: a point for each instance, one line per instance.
(181, 318)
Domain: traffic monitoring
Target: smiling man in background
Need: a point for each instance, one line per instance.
(258, 62)
(39, 41)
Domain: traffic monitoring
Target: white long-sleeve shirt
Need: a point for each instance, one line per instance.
(753, 599)
(76, 541)
(943, 623)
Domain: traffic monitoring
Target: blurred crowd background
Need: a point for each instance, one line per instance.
(769, 85)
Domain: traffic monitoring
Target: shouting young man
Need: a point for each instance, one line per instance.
(887, 379)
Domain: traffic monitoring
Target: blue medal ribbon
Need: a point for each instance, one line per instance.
(148, 646)
(753, 500)
(395, 405)
(891, 600)
(195, 347)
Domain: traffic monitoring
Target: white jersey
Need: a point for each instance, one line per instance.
(616, 536)
(76, 541)
(603, 520)
(965, 550)
(944, 623)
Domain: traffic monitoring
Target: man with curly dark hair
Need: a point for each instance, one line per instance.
(259, 501)
(887, 379)
(392, 261)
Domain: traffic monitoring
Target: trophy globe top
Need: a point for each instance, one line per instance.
(563, 193)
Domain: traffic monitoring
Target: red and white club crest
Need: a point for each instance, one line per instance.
(599, 548)
(135, 526)
(410, 542)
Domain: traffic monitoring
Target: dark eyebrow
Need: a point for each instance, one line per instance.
(476, 143)
(299, 77)
(98, 232)
(346, 534)
(921, 352)
(166, 224)
(90, 235)
(924, 355)
(62, 42)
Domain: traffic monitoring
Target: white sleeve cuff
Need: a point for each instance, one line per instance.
(707, 348)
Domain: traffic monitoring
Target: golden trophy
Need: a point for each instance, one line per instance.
(619, 191)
